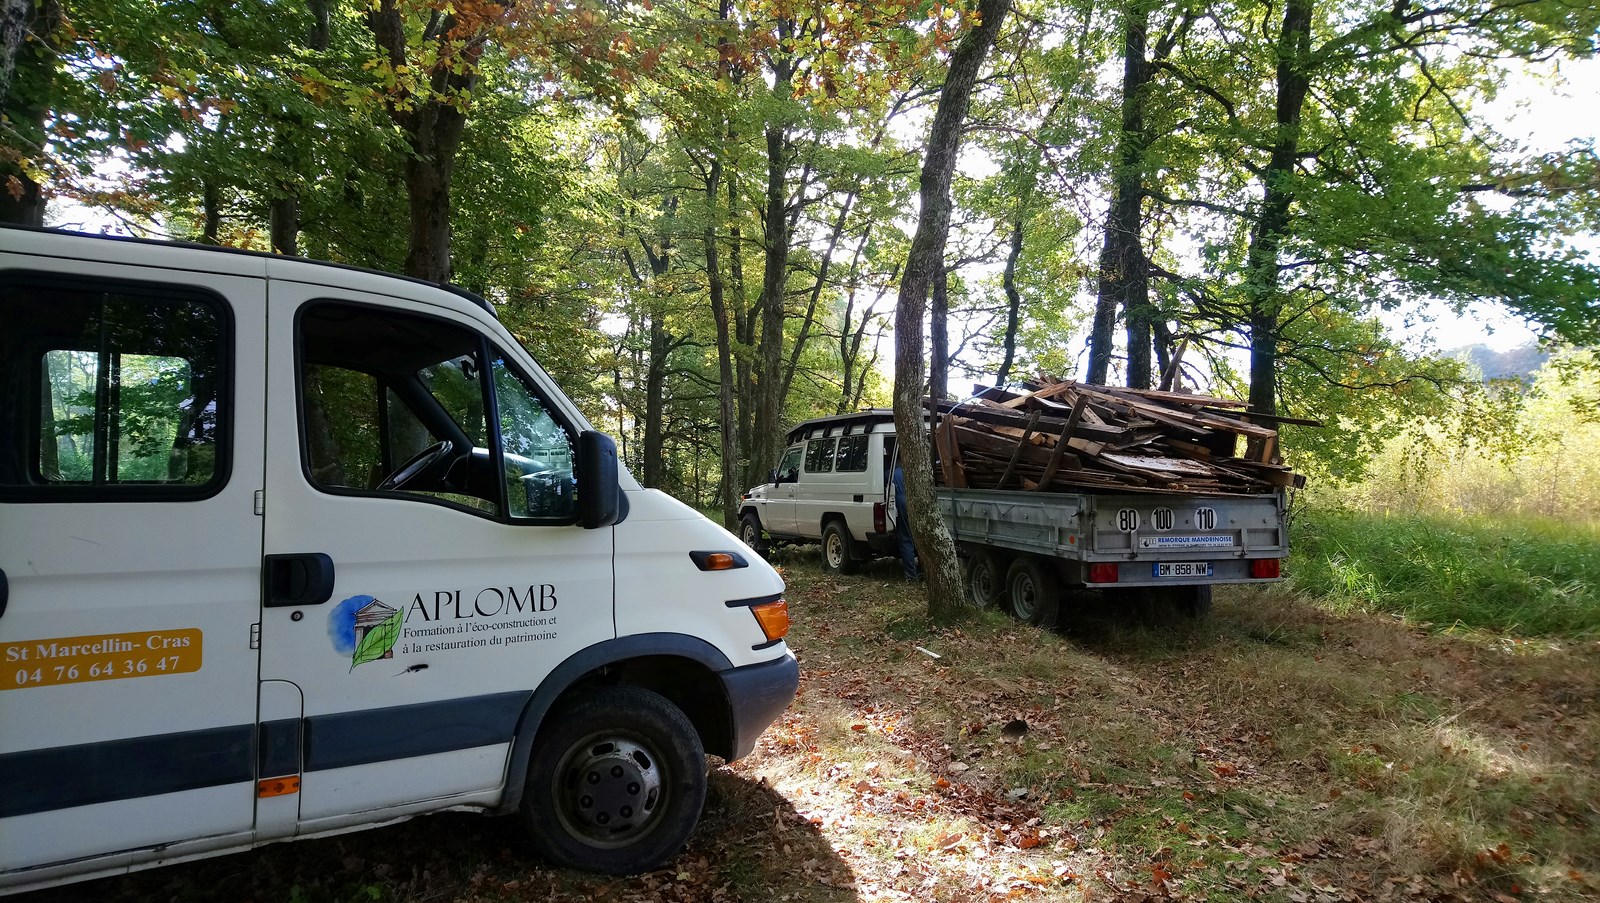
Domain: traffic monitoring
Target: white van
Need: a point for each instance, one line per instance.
(288, 549)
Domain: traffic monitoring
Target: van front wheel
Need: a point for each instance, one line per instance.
(615, 782)
(838, 552)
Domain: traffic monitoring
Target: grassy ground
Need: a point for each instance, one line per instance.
(1517, 575)
(1278, 751)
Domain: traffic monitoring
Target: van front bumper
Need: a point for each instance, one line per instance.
(757, 695)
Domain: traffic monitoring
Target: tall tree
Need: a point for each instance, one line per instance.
(946, 596)
(29, 35)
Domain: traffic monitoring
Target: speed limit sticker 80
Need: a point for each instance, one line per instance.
(1129, 519)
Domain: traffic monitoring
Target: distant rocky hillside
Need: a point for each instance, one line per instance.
(1516, 363)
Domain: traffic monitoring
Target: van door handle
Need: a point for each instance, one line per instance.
(5, 593)
(302, 579)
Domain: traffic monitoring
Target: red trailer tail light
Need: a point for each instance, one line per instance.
(1265, 568)
(880, 519)
(1103, 573)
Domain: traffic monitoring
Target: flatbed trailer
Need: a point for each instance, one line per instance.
(1025, 549)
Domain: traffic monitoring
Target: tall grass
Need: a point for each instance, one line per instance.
(1516, 575)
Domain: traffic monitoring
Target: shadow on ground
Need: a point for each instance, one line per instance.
(750, 845)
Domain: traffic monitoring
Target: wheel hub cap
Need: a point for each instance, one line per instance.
(610, 790)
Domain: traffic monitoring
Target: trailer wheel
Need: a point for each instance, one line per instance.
(1195, 603)
(1034, 593)
(986, 579)
(750, 533)
(615, 783)
(838, 551)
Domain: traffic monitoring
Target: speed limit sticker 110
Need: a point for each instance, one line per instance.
(110, 656)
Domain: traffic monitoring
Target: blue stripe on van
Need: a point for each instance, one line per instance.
(400, 732)
(40, 780)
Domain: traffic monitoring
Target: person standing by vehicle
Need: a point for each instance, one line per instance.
(902, 528)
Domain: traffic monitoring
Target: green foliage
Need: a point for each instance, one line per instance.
(1500, 449)
(1519, 576)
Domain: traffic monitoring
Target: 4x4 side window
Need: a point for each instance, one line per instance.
(116, 391)
(819, 455)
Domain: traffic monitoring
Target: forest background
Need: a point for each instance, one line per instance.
(697, 214)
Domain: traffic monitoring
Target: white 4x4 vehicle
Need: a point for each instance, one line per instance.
(834, 487)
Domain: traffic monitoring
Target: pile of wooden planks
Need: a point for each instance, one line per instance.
(1066, 436)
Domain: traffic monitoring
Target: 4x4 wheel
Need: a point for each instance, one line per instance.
(838, 550)
(615, 783)
(750, 533)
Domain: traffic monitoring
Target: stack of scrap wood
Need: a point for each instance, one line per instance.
(1070, 437)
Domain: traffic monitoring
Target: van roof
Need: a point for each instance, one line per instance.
(209, 258)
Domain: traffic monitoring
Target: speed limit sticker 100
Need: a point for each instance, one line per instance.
(111, 656)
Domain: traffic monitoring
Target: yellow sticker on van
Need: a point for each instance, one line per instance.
(109, 656)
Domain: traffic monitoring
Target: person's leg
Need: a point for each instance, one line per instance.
(908, 550)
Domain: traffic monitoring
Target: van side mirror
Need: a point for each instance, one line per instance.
(599, 495)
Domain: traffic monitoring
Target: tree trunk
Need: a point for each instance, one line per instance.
(655, 401)
(946, 597)
(433, 128)
(211, 212)
(283, 210)
(775, 244)
(1124, 278)
(939, 337)
(1277, 195)
(727, 422)
(28, 63)
(745, 317)
(1013, 303)
(823, 265)
(428, 174)
(850, 337)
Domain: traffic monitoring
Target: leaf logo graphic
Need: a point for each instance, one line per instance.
(365, 629)
(378, 640)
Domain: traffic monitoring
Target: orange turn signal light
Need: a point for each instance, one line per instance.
(268, 787)
(773, 618)
(718, 561)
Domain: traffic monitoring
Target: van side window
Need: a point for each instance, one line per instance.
(342, 427)
(538, 451)
(852, 455)
(394, 403)
(819, 455)
(113, 389)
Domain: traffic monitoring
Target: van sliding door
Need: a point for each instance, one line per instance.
(130, 550)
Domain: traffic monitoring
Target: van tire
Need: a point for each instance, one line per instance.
(838, 550)
(750, 533)
(642, 758)
(1033, 592)
(986, 579)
